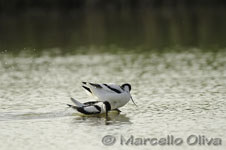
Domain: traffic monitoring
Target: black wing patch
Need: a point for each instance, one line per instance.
(88, 89)
(98, 108)
(96, 85)
(113, 89)
(81, 110)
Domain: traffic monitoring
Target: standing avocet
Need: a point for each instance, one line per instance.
(116, 95)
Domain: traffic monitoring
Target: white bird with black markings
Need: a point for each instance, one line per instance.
(116, 95)
(92, 107)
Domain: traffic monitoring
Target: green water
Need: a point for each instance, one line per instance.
(156, 28)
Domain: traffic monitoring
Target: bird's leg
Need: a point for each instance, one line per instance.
(106, 115)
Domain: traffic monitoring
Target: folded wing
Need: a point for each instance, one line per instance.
(92, 109)
(99, 90)
(103, 91)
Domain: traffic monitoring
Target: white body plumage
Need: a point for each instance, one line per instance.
(116, 95)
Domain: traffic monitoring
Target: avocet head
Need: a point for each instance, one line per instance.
(127, 87)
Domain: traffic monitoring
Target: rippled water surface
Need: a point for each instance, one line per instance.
(178, 93)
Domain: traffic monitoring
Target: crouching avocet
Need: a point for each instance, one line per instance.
(92, 107)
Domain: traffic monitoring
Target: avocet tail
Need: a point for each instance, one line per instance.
(77, 103)
(72, 106)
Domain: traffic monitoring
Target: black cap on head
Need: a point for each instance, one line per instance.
(126, 84)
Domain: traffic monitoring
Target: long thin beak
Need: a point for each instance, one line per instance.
(132, 100)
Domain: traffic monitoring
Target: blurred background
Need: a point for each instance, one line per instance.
(69, 25)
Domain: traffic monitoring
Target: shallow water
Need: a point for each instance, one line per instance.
(178, 93)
